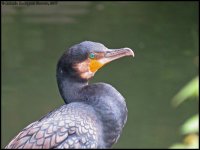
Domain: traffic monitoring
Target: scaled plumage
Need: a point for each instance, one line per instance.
(94, 114)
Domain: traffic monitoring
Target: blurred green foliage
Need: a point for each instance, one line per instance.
(188, 91)
(191, 127)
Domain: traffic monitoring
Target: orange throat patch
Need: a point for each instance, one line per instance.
(87, 68)
(95, 65)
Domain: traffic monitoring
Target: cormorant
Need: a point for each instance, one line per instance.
(93, 115)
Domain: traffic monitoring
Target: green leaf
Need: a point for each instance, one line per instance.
(191, 125)
(178, 146)
(189, 90)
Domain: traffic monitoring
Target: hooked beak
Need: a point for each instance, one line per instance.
(113, 54)
(108, 56)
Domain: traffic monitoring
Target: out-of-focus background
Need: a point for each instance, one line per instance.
(164, 36)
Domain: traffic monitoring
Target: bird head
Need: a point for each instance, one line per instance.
(87, 57)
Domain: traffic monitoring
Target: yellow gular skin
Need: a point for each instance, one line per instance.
(95, 65)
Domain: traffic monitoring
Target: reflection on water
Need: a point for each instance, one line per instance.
(163, 34)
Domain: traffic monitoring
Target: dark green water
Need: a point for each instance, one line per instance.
(164, 36)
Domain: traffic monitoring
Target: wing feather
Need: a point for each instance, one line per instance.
(70, 126)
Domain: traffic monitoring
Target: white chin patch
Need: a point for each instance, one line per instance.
(87, 75)
(83, 69)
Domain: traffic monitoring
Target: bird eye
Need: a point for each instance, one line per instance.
(92, 55)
